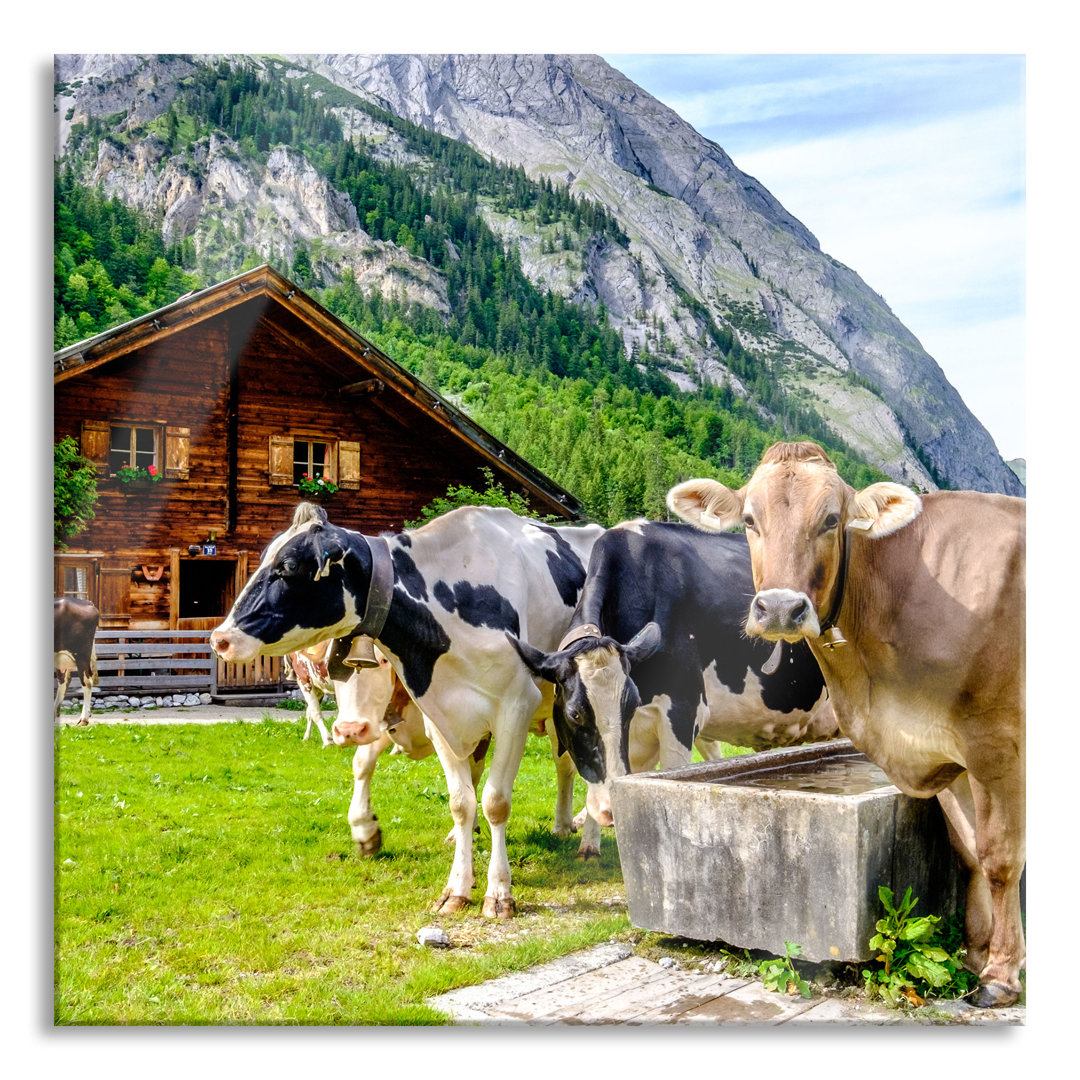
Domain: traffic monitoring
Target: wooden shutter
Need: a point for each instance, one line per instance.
(94, 443)
(281, 459)
(177, 446)
(115, 596)
(349, 466)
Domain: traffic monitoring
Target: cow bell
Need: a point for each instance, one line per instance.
(830, 639)
(362, 653)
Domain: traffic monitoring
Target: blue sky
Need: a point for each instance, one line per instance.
(909, 169)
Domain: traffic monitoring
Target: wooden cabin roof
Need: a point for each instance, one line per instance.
(310, 328)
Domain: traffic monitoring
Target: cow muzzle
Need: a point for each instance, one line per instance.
(234, 645)
(782, 614)
(352, 732)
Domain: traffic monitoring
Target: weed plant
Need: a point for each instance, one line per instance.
(206, 875)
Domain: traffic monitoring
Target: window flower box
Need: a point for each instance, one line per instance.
(317, 487)
(138, 480)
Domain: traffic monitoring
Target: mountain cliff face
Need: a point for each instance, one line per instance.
(708, 245)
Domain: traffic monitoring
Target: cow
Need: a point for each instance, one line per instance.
(656, 660)
(914, 608)
(74, 626)
(438, 600)
(307, 667)
(377, 714)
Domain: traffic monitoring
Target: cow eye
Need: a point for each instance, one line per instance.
(748, 521)
(830, 522)
(288, 567)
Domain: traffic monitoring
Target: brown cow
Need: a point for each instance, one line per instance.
(74, 626)
(914, 608)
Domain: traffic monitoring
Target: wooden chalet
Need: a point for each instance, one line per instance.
(232, 393)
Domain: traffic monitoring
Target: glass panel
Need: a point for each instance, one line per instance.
(318, 459)
(119, 448)
(75, 582)
(301, 464)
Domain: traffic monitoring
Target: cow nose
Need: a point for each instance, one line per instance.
(350, 732)
(781, 611)
(219, 642)
(790, 611)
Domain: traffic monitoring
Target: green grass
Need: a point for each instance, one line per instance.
(206, 875)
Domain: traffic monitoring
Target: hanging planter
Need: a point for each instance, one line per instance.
(317, 488)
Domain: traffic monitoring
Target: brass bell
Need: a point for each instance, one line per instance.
(362, 653)
(830, 639)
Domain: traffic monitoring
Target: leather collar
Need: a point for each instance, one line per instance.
(830, 632)
(381, 589)
(585, 630)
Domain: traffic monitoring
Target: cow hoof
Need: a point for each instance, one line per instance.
(82, 723)
(371, 846)
(499, 908)
(448, 903)
(995, 995)
(588, 852)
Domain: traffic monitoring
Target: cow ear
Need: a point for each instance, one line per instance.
(643, 644)
(881, 509)
(708, 504)
(538, 662)
(329, 549)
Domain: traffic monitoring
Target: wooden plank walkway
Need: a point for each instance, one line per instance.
(610, 985)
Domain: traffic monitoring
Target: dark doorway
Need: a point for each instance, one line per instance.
(206, 588)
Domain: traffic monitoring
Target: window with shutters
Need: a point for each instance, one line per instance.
(133, 445)
(112, 444)
(293, 456)
(310, 460)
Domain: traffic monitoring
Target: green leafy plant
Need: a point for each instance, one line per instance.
(316, 487)
(919, 962)
(128, 474)
(494, 494)
(779, 974)
(75, 491)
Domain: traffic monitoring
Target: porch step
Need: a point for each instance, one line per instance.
(254, 699)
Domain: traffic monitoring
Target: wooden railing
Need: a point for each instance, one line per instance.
(155, 661)
(152, 662)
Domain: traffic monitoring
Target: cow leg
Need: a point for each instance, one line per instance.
(564, 794)
(61, 689)
(87, 698)
(589, 848)
(313, 700)
(476, 770)
(498, 791)
(999, 831)
(709, 749)
(363, 823)
(462, 795)
(989, 840)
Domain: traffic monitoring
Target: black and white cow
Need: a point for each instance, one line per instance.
(656, 659)
(74, 626)
(379, 716)
(444, 597)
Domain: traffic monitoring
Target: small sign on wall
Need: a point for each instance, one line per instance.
(209, 549)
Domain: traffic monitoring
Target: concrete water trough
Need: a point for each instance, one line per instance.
(784, 845)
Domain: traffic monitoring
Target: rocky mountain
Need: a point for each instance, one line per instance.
(706, 246)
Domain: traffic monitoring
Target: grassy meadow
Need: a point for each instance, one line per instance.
(205, 874)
